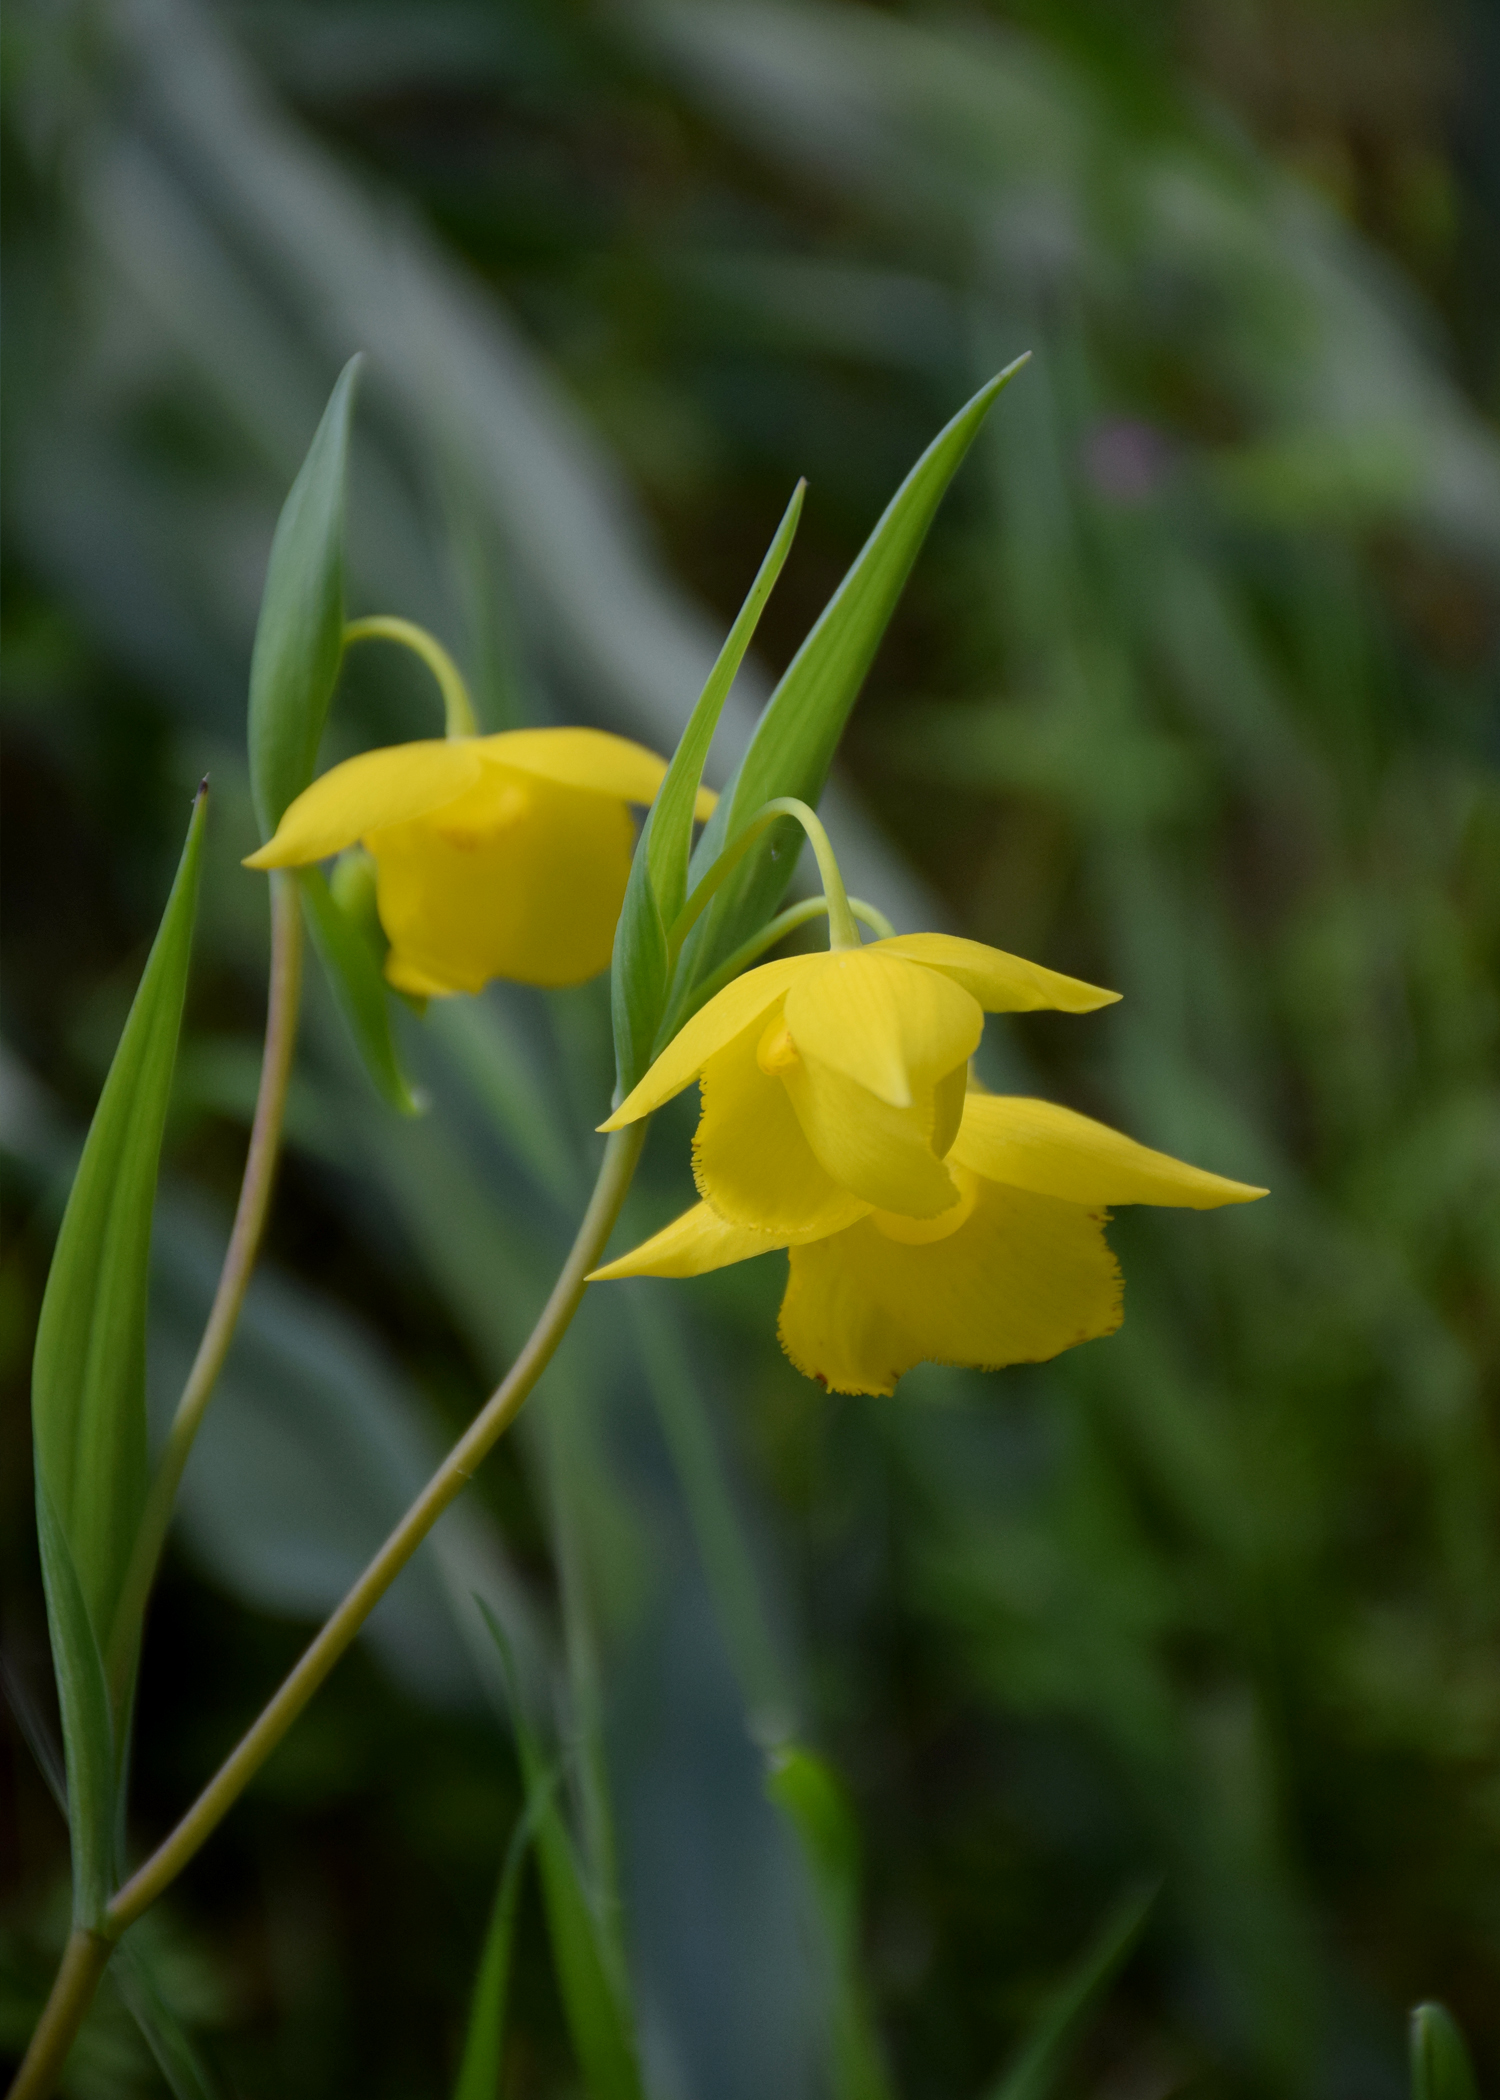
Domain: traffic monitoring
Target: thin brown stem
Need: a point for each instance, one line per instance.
(234, 1278)
(84, 1962)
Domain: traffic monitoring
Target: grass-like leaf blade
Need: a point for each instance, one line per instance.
(88, 1390)
(88, 1727)
(484, 2042)
(358, 988)
(177, 2056)
(812, 1798)
(1071, 2008)
(798, 733)
(1440, 2065)
(657, 888)
(299, 639)
(589, 1969)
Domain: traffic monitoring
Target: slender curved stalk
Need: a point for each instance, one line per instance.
(84, 1962)
(456, 1471)
(88, 1952)
(458, 709)
(750, 951)
(842, 932)
(283, 1000)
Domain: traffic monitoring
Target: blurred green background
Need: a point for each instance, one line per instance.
(1194, 693)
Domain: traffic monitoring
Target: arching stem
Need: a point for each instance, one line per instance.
(458, 709)
(842, 931)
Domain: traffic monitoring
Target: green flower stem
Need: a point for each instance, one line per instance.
(842, 932)
(773, 931)
(84, 1962)
(172, 1855)
(283, 1001)
(385, 627)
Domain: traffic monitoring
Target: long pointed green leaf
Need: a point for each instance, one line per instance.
(88, 1379)
(300, 636)
(812, 1797)
(88, 1729)
(587, 1971)
(359, 989)
(658, 875)
(484, 2044)
(1440, 2066)
(1071, 2009)
(795, 740)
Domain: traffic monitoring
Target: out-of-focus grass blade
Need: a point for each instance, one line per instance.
(1069, 2011)
(88, 1393)
(300, 636)
(177, 2056)
(1440, 2065)
(796, 737)
(589, 1970)
(811, 1796)
(359, 988)
(658, 877)
(479, 2072)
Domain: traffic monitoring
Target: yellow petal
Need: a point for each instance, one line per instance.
(879, 1153)
(948, 1109)
(364, 794)
(588, 758)
(726, 1015)
(1003, 984)
(403, 976)
(750, 1158)
(518, 878)
(691, 1245)
(882, 1021)
(1036, 1145)
(1023, 1279)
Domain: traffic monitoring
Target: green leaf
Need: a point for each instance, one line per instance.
(589, 1968)
(177, 2056)
(1071, 2009)
(812, 1797)
(300, 636)
(1440, 2065)
(479, 2072)
(88, 1729)
(796, 737)
(88, 1394)
(345, 952)
(657, 888)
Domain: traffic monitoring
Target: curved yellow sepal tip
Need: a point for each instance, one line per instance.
(737, 1007)
(691, 1245)
(373, 792)
(1001, 983)
(592, 759)
(1055, 1151)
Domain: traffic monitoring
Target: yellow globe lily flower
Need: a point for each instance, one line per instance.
(495, 856)
(1015, 1270)
(833, 1084)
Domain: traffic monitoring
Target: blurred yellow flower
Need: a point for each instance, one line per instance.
(833, 1083)
(495, 856)
(1014, 1270)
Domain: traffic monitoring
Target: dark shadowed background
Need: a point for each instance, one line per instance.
(1194, 693)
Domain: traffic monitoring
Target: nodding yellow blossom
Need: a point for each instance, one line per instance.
(1014, 1270)
(495, 856)
(833, 1083)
